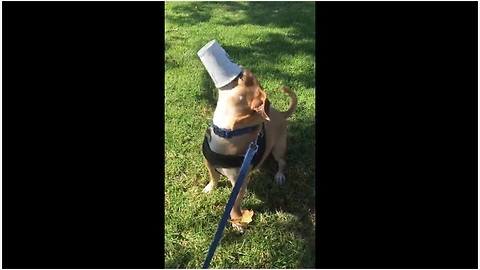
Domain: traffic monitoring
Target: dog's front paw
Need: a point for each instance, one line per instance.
(209, 188)
(280, 178)
(239, 228)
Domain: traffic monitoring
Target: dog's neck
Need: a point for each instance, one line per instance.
(229, 86)
(225, 116)
(224, 112)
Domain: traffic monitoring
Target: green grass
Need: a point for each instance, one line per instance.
(276, 41)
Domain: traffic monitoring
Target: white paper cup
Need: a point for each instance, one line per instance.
(218, 64)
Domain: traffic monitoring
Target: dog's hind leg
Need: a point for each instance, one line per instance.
(214, 177)
(279, 152)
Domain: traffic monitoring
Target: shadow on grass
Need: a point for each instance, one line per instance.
(170, 62)
(267, 52)
(261, 56)
(263, 65)
(277, 14)
(297, 195)
(209, 92)
(180, 261)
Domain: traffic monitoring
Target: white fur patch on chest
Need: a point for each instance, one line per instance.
(225, 111)
(216, 145)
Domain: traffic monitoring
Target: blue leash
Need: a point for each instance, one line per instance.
(252, 149)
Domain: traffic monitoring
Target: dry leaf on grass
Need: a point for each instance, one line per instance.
(244, 220)
(247, 216)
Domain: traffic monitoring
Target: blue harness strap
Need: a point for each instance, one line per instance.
(228, 133)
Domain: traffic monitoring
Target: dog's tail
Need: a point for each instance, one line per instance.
(293, 102)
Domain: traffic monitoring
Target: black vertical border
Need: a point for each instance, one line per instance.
(83, 134)
(397, 124)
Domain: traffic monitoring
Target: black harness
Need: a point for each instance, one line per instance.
(228, 161)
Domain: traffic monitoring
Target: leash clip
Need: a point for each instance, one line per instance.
(254, 146)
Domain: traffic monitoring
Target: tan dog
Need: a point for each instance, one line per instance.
(243, 104)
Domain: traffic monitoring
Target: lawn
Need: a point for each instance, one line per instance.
(276, 41)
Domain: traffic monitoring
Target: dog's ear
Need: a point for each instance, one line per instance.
(267, 106)
(257, 98)
(261, 104)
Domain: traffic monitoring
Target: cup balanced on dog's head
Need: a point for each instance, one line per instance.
(218, 64)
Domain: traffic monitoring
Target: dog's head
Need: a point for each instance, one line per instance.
(255, 97)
